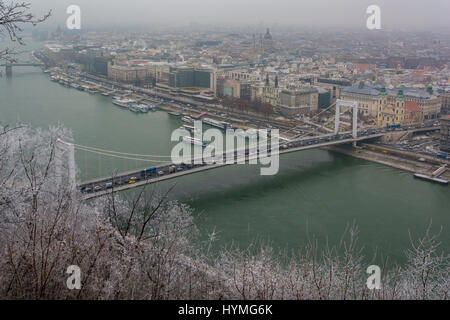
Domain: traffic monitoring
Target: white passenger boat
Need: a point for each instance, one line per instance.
(123, 102)
(194, 141)
(191, 129)
(136, 107)
(187, 119)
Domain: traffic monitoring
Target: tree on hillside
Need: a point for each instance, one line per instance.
(14, 16)
(138, 247)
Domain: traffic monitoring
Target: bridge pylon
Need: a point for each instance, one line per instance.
(61, 148)
(8, 68)
(349, 104)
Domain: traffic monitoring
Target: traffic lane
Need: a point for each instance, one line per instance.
(99, 186)
(136, 176)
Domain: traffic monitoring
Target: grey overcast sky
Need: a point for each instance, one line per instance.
(404, 14)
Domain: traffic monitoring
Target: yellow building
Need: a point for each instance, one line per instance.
(367, 98)
(390, 113)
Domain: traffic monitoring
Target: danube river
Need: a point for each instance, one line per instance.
(315, 194)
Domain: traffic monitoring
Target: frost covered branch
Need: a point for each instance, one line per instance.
(13, 15)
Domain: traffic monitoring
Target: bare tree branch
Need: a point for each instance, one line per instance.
(13, 16)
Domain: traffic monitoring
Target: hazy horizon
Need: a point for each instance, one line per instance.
(395, 14)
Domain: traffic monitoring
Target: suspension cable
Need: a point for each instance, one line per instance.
(119, 156)
(119, 153)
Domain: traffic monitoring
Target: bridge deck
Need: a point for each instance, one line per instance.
(199, 169)
(22, 65)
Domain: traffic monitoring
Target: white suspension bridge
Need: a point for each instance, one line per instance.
(163, 168)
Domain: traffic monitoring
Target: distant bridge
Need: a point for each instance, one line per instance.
(9, 66)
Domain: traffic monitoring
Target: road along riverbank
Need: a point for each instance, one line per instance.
(391, 158)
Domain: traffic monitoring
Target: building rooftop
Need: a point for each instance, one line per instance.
(367, 90)
(375, 91)
(411, 106)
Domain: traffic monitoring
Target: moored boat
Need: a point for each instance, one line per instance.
(136, 107)
(187, 119)
(215, 123)
(123, 102)
(191, 129)
(131, 104)
(194, 141)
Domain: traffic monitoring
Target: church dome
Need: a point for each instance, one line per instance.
(268, 36)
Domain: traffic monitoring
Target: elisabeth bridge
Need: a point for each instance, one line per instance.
(167, 170)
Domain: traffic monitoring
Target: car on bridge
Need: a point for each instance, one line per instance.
(148, 172)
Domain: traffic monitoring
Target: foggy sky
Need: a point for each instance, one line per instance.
(395, 14)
